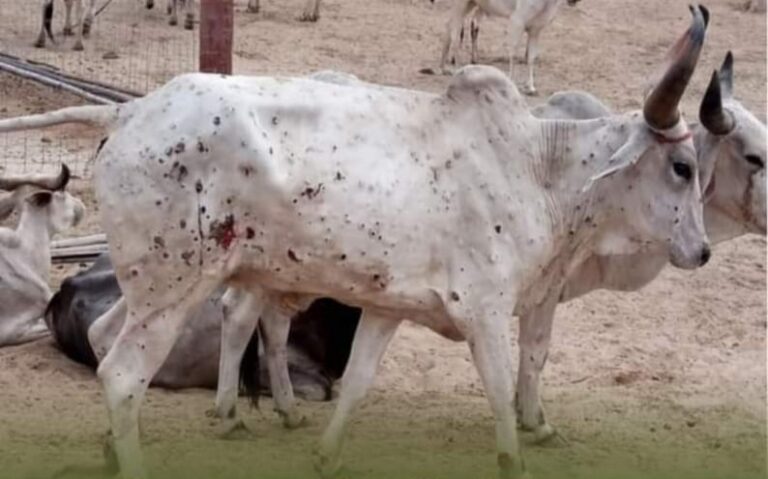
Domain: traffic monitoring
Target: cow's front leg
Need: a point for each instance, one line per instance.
(531, 54)
(68, 30)
(474, 34)
(534, 340)
(514, 34)
(311, 11)
(489, 342)
(241, 316)
(371, 339)
(275, 328)
(88, 20)
(452, 32)
(173, 11)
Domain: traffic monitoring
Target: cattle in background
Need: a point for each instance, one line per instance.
(731, 148)
(446, 209)
(83, 21)
(524, 16)
(25, 259)
(310, 13)
(318, 345)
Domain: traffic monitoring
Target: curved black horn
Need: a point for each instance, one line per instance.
(58, 182)
(726, 75)
(716, 119)
(63, 178)
(661, 106)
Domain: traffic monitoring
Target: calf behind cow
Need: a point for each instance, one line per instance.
(25, 259)
(461, 205)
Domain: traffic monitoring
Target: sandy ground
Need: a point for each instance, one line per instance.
(669, 382)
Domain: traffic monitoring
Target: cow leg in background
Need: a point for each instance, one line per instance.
(489, 342)
(474, 33)
(371, 340)
(241, 317)
(253, 6)
(68, 31)
(173, 11)
(311, 11)
(534, 339)
(85, 20)
(452, 31)
(531, 53)
(275, 328)
(105, 329)
(189, 14)
(514, 34)
(149, 333)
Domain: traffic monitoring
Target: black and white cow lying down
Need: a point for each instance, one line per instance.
(317, 352)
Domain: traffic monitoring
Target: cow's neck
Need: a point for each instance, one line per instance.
(570, 154)
(35, 239)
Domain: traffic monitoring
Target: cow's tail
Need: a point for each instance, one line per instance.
(97, 115)
(48, 19)
(250, 370)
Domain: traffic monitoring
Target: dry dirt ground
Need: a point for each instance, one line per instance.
(668, 382)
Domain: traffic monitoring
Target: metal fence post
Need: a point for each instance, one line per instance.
(216, 36)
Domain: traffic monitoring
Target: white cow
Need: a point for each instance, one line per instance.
(731, 147)
(25, 260)
(529, 16)
(442, 209)
(84, 16)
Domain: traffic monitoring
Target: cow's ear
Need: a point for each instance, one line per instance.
(626, 156)
(41, 199)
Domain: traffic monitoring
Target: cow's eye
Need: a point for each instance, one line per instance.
(755, 160)
(682, 170)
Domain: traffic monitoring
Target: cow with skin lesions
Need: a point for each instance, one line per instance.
(458, 207)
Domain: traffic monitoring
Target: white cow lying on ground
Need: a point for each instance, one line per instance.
(731, 146)
(443, 209)
(525, 16)
(25, 259)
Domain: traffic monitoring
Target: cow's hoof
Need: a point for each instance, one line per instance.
(78, 47)
(86, 29)
(67, 32)
(326, 468)
(40, 43)
(309, 17)
(189, 23)
(150, 4)
(294, 420)
(173, 22)
(530, 91)
(234, 430)
(547, 436)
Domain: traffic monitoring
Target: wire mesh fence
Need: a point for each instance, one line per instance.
(130, 47)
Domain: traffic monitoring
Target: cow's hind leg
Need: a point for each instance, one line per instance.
(275, 328)
(68, 30)
(241, 316)
(138, 352)
(371, 339)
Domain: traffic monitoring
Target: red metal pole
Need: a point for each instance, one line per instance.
(216, 36)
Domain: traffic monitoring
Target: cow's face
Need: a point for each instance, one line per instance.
(738, 185)
(658, 197)
(736, 149)
(63, 210)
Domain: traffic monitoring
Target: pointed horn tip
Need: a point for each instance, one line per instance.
(64, 177)
(728, 62)
(716, 119)
(699, 23)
